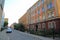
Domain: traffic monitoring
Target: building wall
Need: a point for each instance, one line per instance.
(1, 12)
(0, 16)
(43, 14)
(23, 20)
(58, 6)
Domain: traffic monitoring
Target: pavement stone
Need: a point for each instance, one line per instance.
(3, 36)
(57, 38)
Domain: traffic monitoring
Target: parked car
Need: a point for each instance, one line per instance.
(9, 30)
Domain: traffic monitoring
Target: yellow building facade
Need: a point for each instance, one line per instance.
(43, 14)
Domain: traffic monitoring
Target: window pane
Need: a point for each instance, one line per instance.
(43, 17)
(38, 11)
(52, 13)
(43, 25)
(50, 5)
(49, 15)
(43, 9)
(42, 1)
(49, 25)
(39, 3)
(53, 25)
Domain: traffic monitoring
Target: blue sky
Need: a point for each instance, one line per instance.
(14, 9)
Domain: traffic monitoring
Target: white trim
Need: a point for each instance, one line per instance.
(43, 25)
(39, 26)
(50, 24)
(54, 24)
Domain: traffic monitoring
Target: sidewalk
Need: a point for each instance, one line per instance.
(57, 39)
(44, 38)
(41, 37)
(3, 36)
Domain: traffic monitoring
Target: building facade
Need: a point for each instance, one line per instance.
(23, 20)
(44, 14)
(1, 12)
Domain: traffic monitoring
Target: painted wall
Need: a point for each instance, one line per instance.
(58, 6)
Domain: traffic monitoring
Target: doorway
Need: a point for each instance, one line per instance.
(36, 27)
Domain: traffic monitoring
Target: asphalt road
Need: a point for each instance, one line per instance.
(17, 35)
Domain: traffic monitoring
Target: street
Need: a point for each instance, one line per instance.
(17, 35)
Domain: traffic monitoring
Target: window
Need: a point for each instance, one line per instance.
(31, 21)
(43, 25)
(49, 15)
(43, 9)
(34, 7)
(39, 26)
(39, 3)
(38, 12)
(32, 14)
(43, 17)
(51, 25)
(42, 1)
(38, 19)
(52, 14)
(50, 5)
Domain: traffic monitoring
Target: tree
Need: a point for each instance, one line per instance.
(22, 28)
(16, 26)
(5, 23)
(19, 26)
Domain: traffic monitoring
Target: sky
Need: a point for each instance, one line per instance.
(15, 9)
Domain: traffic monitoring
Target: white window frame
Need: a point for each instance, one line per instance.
(49, 15)
(43, 25)
(51, 26)
(38, 3)
(42, 1)
(52, 14)
(38, 11)
(39, 26)
(43, 17)
(54, 24)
